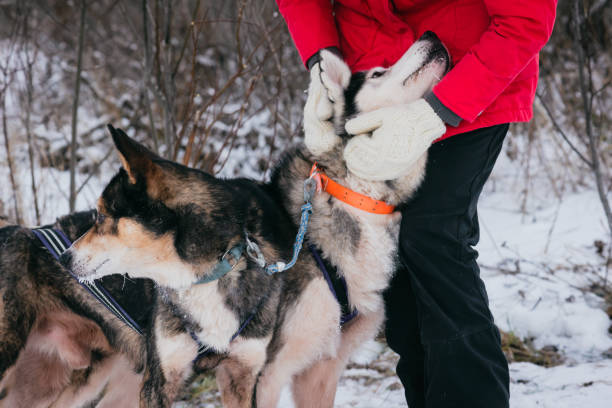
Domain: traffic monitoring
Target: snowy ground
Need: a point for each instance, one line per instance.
(537, 265)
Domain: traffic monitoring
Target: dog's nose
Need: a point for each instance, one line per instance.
(429, 36)
(437, 48)
(66, 259)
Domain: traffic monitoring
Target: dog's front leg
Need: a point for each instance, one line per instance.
(316, 386)
(237, 374)
(236, 381)
(170, 355)
(151, 393)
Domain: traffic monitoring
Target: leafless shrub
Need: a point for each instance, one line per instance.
(207, 83)
(575, 93)
(195, 80)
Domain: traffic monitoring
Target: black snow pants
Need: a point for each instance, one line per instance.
(438, 317)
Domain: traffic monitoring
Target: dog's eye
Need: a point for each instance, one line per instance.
(377, 74)
(100, 217)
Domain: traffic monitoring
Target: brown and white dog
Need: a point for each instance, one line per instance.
(166, 222)
(59, 346)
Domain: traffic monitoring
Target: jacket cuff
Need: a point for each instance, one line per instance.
(448, 116)
(316, 57)
(311, 24)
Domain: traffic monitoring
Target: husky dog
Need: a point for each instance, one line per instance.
(164, 221)
(361, 246)
(59, 347)
(175, 225)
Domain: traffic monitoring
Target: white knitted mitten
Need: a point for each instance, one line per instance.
(319, 133)
(401, 135)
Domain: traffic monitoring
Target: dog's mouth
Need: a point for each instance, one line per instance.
(435, 63)
(432, 68)
(91, 274)
(81, 270)
(97, 268)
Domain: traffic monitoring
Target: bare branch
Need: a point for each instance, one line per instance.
(146, 83)
(559, 129)
(585, 83)
(75, 110)
(11, 164)
(95, 167)
(28, 63)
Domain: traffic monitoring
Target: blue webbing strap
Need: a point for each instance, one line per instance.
(57, 242)
(346, 316)
(223, 267)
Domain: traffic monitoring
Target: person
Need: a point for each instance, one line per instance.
(438, 318)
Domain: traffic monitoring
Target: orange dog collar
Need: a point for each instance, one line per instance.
(347, 195)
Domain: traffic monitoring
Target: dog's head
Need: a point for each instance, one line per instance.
(149, 219)
(413, 75)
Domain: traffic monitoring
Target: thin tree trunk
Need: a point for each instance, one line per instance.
(75, 110)
(11, 164)
(166, 86)
(147, 72)
(586, 106)
(28, 122)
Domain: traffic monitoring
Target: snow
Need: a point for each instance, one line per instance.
(549, 259)
(537, 263)
(584, 385)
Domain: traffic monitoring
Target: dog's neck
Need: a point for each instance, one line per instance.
(393, 192)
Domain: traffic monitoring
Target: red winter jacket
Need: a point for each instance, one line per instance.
(494, 46)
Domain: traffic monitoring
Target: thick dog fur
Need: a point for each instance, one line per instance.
(362, 246)
(58, 345)
(166, 222)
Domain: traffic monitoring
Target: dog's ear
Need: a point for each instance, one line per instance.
(335, 75)
(136, 159)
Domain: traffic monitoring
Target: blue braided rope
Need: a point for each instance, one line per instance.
(297, 246)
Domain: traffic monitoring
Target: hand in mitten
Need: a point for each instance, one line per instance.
(401, 134)
(328, 77)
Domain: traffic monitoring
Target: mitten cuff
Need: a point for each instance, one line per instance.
(448, 116)
(316, 57)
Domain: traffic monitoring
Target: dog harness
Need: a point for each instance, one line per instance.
(57, 243)
(348, 196)
(223, 267)
(337, 286)
(316, 182)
